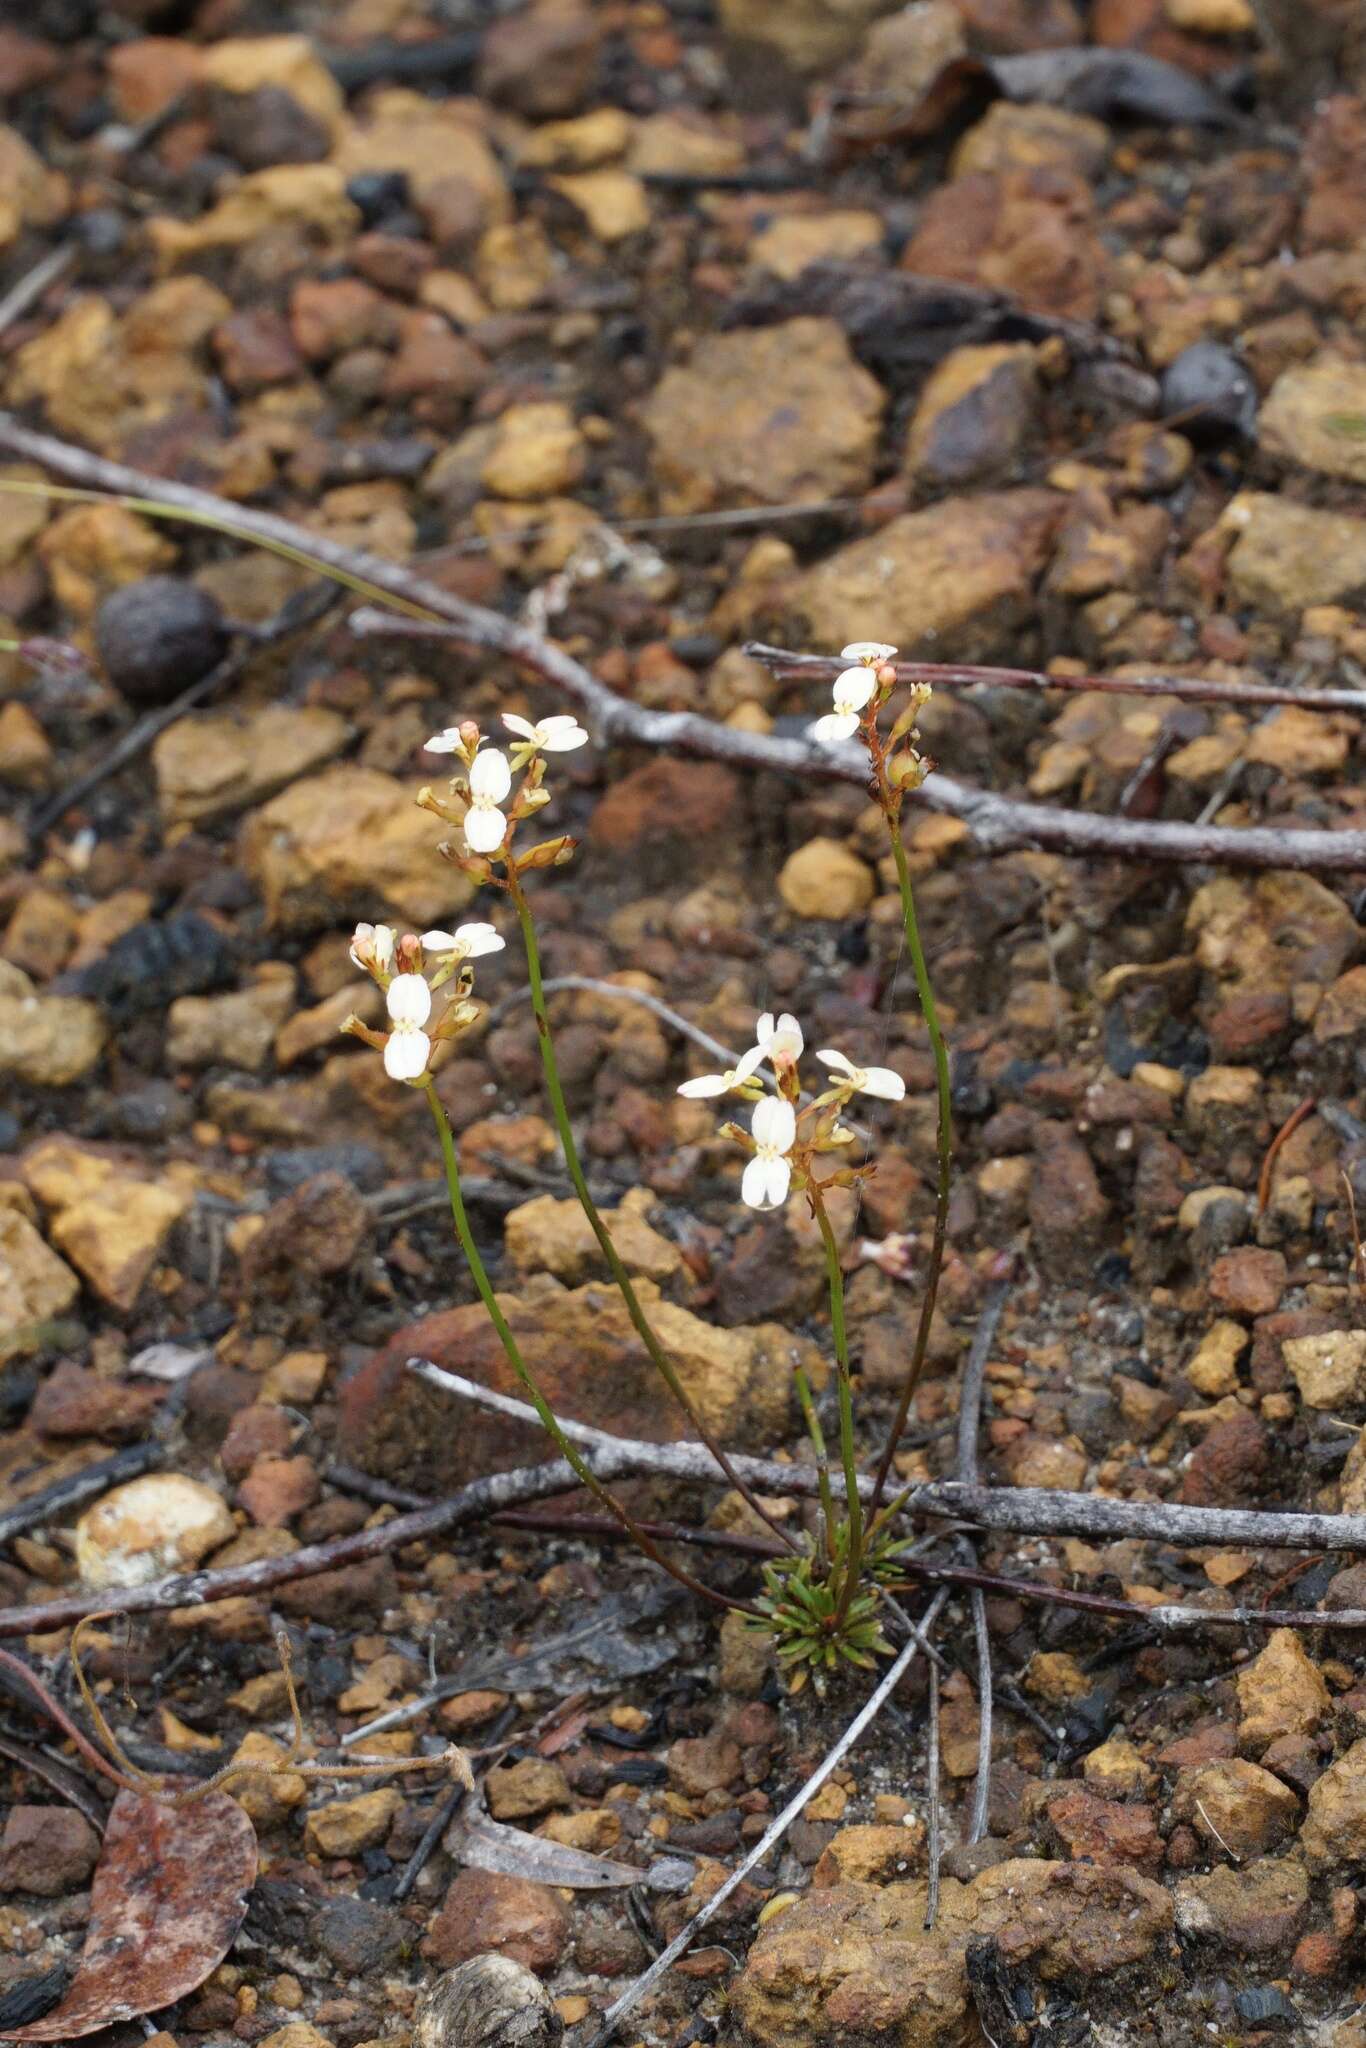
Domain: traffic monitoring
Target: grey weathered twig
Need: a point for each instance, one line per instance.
(969, 1425)
(76, 1487)
(997, 823)
(773, 1833)
(1021, 1510)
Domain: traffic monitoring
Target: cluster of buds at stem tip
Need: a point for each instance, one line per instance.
(861, 690)
(787, 1133)
(483, 803)
(410, 970)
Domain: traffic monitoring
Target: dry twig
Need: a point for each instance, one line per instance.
(997, 823)
(969, 1423)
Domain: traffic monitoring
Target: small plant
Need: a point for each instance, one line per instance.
(823, 1597)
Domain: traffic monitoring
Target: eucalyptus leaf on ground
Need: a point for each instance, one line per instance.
(168, 1898)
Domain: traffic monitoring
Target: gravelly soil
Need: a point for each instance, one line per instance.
(661, 327)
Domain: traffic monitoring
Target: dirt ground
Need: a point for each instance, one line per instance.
(1018, 332)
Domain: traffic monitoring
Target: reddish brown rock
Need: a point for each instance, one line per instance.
(1229, 1468)
(1096, 1830)
(1030, 232)
(1067, 1210)
(484, 1914)
(258, 1431)
(1334, 162)
(74, 1402)
(667, 803)
(1248, 1282)
(47, 1850)
(540, 62)
(277, 1489)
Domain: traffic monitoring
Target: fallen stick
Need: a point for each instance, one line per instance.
(1018, 1510)
(997, 823)
(944, 675)
(773, 1833)
(969, 1425)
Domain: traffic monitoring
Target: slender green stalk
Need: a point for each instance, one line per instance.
(854, 1558)
(945, 1148)
(512, 1351)
(560, 1112)
(817, 1436)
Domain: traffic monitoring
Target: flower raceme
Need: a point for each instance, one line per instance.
(786, 1133)
(424, 965)
(482, 801)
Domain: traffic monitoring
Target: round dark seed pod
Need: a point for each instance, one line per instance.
(157, 637)
(489, 2002)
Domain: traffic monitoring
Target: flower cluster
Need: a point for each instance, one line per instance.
(786, 1133)
(860, 692)
(482, 808)
(409, 970)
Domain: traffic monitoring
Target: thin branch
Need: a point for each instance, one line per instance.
(34, 283)
(969, 1426)
(76, 1487)
(1021, 1510)
(777, 1828)
(996, 823)
(965, 675)
(588, 984)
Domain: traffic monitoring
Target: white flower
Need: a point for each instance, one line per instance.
(485, 827)
(372, 947)
(409, 1048)
(768, 1176)
(880, 1081)
(872, 651)
(852, 691)
(447, 742)
(466, 942)
(557, 735)
(721, 1084)
(779, 1043)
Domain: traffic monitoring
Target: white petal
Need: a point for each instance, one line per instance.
(406, 1055)
(523, 727)
(754, 1184)
(384, 944)
(704, 1085)
(839, 1060)
(409, 1000)
(439, 942)
(775, 1123)
(361, 941)
(883, 1082)
(854, 688)
(786, 1042)
(561, 734)
(490, 777)
(443, 742)
(777, 1179)
(484, 828)
(836, 725)
(474, 940)
(748, 1062)
(867, 650)
(763, 1030)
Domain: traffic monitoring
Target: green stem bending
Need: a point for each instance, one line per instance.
(853, 1563)
(945, 1147)
(560, 1112)
(512, 1351)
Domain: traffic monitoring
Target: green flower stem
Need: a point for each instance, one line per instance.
(945, 1147)
(835, 1275)
(817, 1436)
(512, 1350)
(560, 1112)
